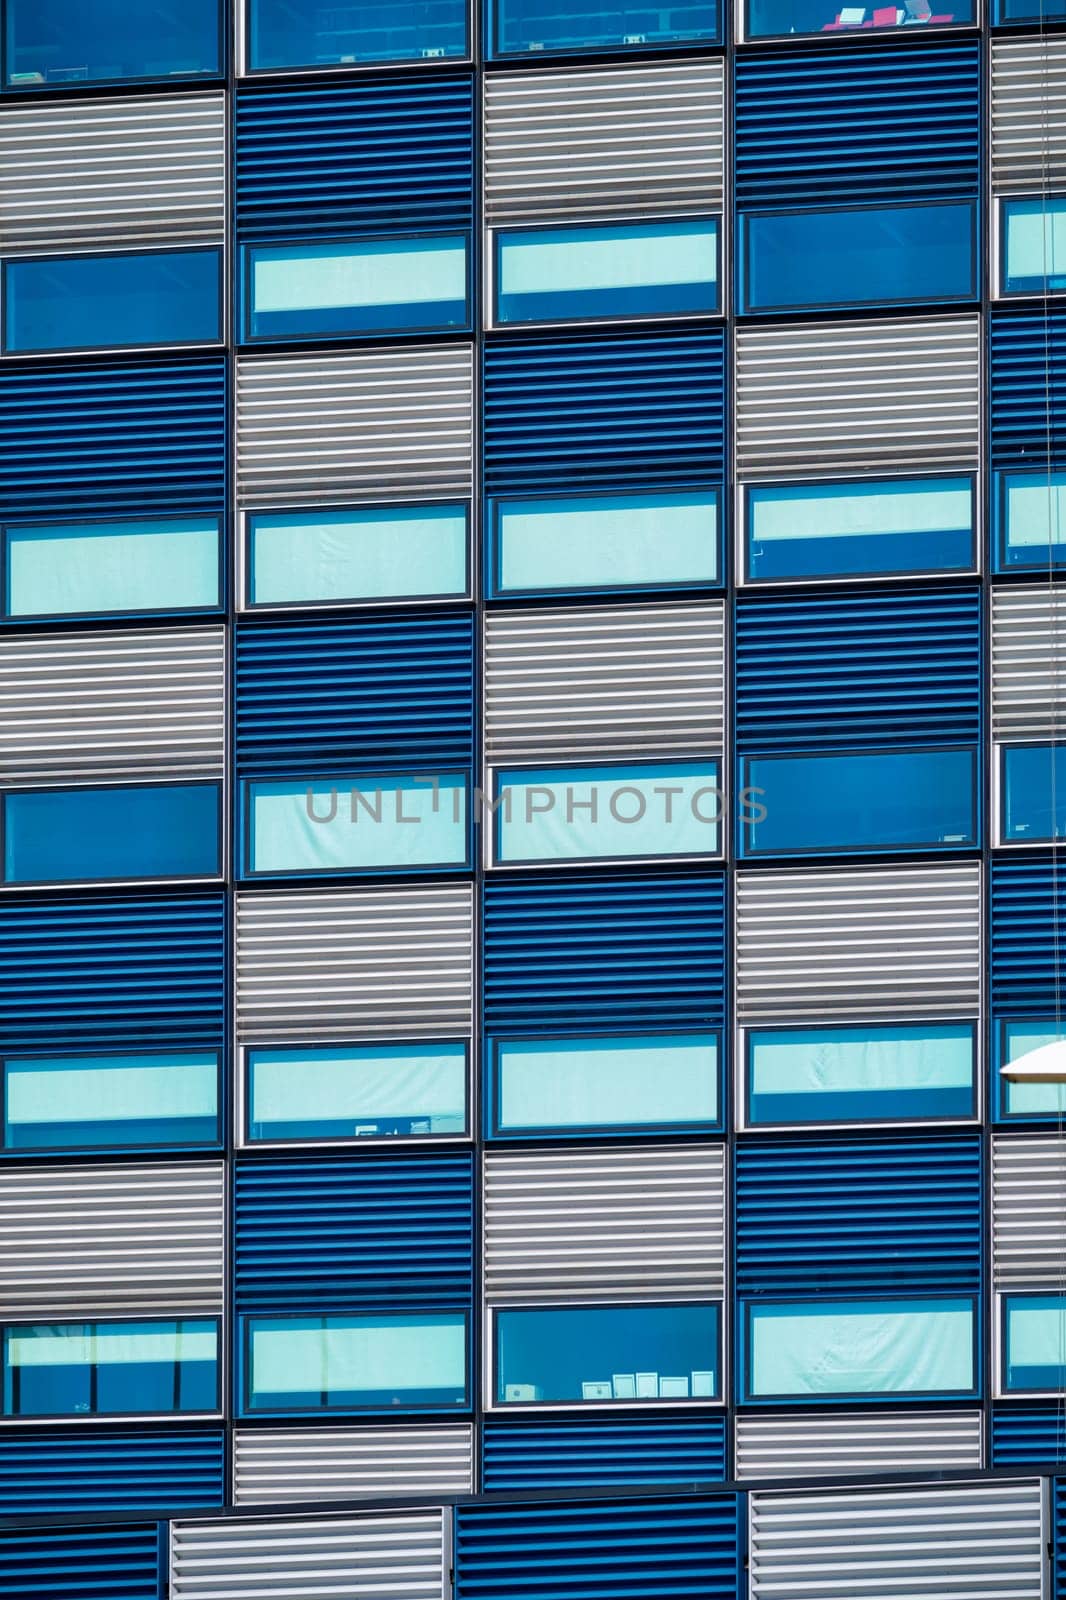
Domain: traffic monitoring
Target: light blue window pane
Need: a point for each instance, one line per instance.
(1030, 10)
(94, 41)
(1034, 1343)
(111, 1368)
(603, 813)
(1034, 245)
(523, 25)
(605, 1354)
(308, 556)
(606, 542)
(379, 824)
(110, 1100)
(666, 1080)
(359, 1092)
(349, 1363)
(876, 255)
(798, 1075)
(632, 270)
(861, 1347)
(837, 530)
(304, 33)
(1031, 517)
(78, 835)
(876, 800)
(92, 302)
(112, 566)
(1030, 1099)
(1034, 792)
(769, 19)
(356, 286)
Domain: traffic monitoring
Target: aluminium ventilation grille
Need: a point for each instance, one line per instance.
(1028, 1211)
(1028, 94)
(1028, 662)
(346, 1463)
(820, 1444)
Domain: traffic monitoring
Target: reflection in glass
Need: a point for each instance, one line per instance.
(355, 1363)
(1034, 1342)
(84, 835)
(605, 813)
(648, 269)
(304, 33)
(603, 1354)
(637, 1082)
(346, 823)
(355, 286)
(79, 1101)
(1031, 519)
(169, 564)
(110, 1368)
(300, 557)
(522, 25)
(56, 42)
(769, 19)
(860, 1347)
(92, 302)
(1034, 792)
(365, 1091)
(867, 1073)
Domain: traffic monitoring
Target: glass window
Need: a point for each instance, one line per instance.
(1034, 792)
(355, 1363)
(647, 269)
(1039, 11)
(1033, 245)
(304, 33)
(97, 41)
(859, 1348)
(626, 1084)
(309, 557)
(110, 1368)
(95, 567)
(863, 800)
(876, 255)
(89, 302)
(521, 25)
(773, 19)
(355, 286)
(842, 530)
(359, 1091)
(861, 1074)
(81, 835)
(79, 1102)
(1034, 1343)
(604, 1354)
(607, 813)
(1030, 519)
(621, 541)
(1016, 1039)
(368, 824)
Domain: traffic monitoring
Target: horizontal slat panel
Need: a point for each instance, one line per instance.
(1028, 92)
(820, 1444)
(1028, 662)
(1028, 1435)
(564, 1453)
(346, 1463)
(1028, 899)
(155, 1470)
(82, 1563)
(1028, 1212)
(1027, 390)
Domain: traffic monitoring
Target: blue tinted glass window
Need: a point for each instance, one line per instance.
(653, 269)
(1030, 519)
(1034, 1343)
(304, 33)
(869, 800)
(620, 1084)
(818, 1075)
(1033, 244)
(355, 286)
(523, 25)
(91, 302)
(171, 564)
(362, 1091)
(84, 1101)
(770, 19)
(304, 557)
(355, 1363)
(1029, 10)
(94, 41)
(839, 530)
(607, 1354)
(608, 813)
(370, 824)
(1034, 792)
(110, 1368)
(1017, 1039)
(876, 255)
(78, 835)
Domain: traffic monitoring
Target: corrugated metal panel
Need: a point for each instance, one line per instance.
(1028, 95)
(368, 425)
(599, 1550)
(97, 174)
(1028, 662)
(347, 1463)
(563, 1453)
(627, 1223)
(295, 172)
(346, 696)
(1028, 904)
(1027, 389)
(87, 1241)
(581, 413)
(823, 399)
(97, 707)
(392, 1556)
(824, 1445)
(823, 124)
(590, 954)
(880, 942)
(349, 964)
(604, 141)
(83, 974)
(1057, 1492)
(854, 671)
(859, 1215)
(1028, 1212)
(981, 1539)
(593, 682)
(1028, 1435)
(83, 1563)
(92, 440)
(157, 1470)
(356, 1231)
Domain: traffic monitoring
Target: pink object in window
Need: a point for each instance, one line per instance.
(885, 17)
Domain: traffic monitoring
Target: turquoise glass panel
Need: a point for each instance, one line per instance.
(607, 1354)
(373, 824)
(635, 1082)
(1034, 792)
(1034, 1343)
(355, 1363)
(50, 43)
(1033, 235)
(537, 25)
(81, 835)
(309, 557)
(92, 302)
(111, 1368)
(653, 269)
(818, 1075)
(72, 570)
(81, 1101)
(303, 33)
(605, 813)
(355, 286)
(1030, 520)
(774, 19)
(1017, 1039)
(362, 1091)
(803, 1350)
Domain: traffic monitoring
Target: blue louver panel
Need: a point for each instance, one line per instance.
(366, 1231)
(600, 954)
(1028, 387)
(103, 439)
(109, 1563)
(822, 125)
(156, 1471)
(355, 695)
(859, 1215)
(1058, 1512)
(848, 671)
(77, 974)
(573, 414)
(1028, 1436)
(599, 1550)
(1028, 936)
(384, 157)
(530, 1454)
